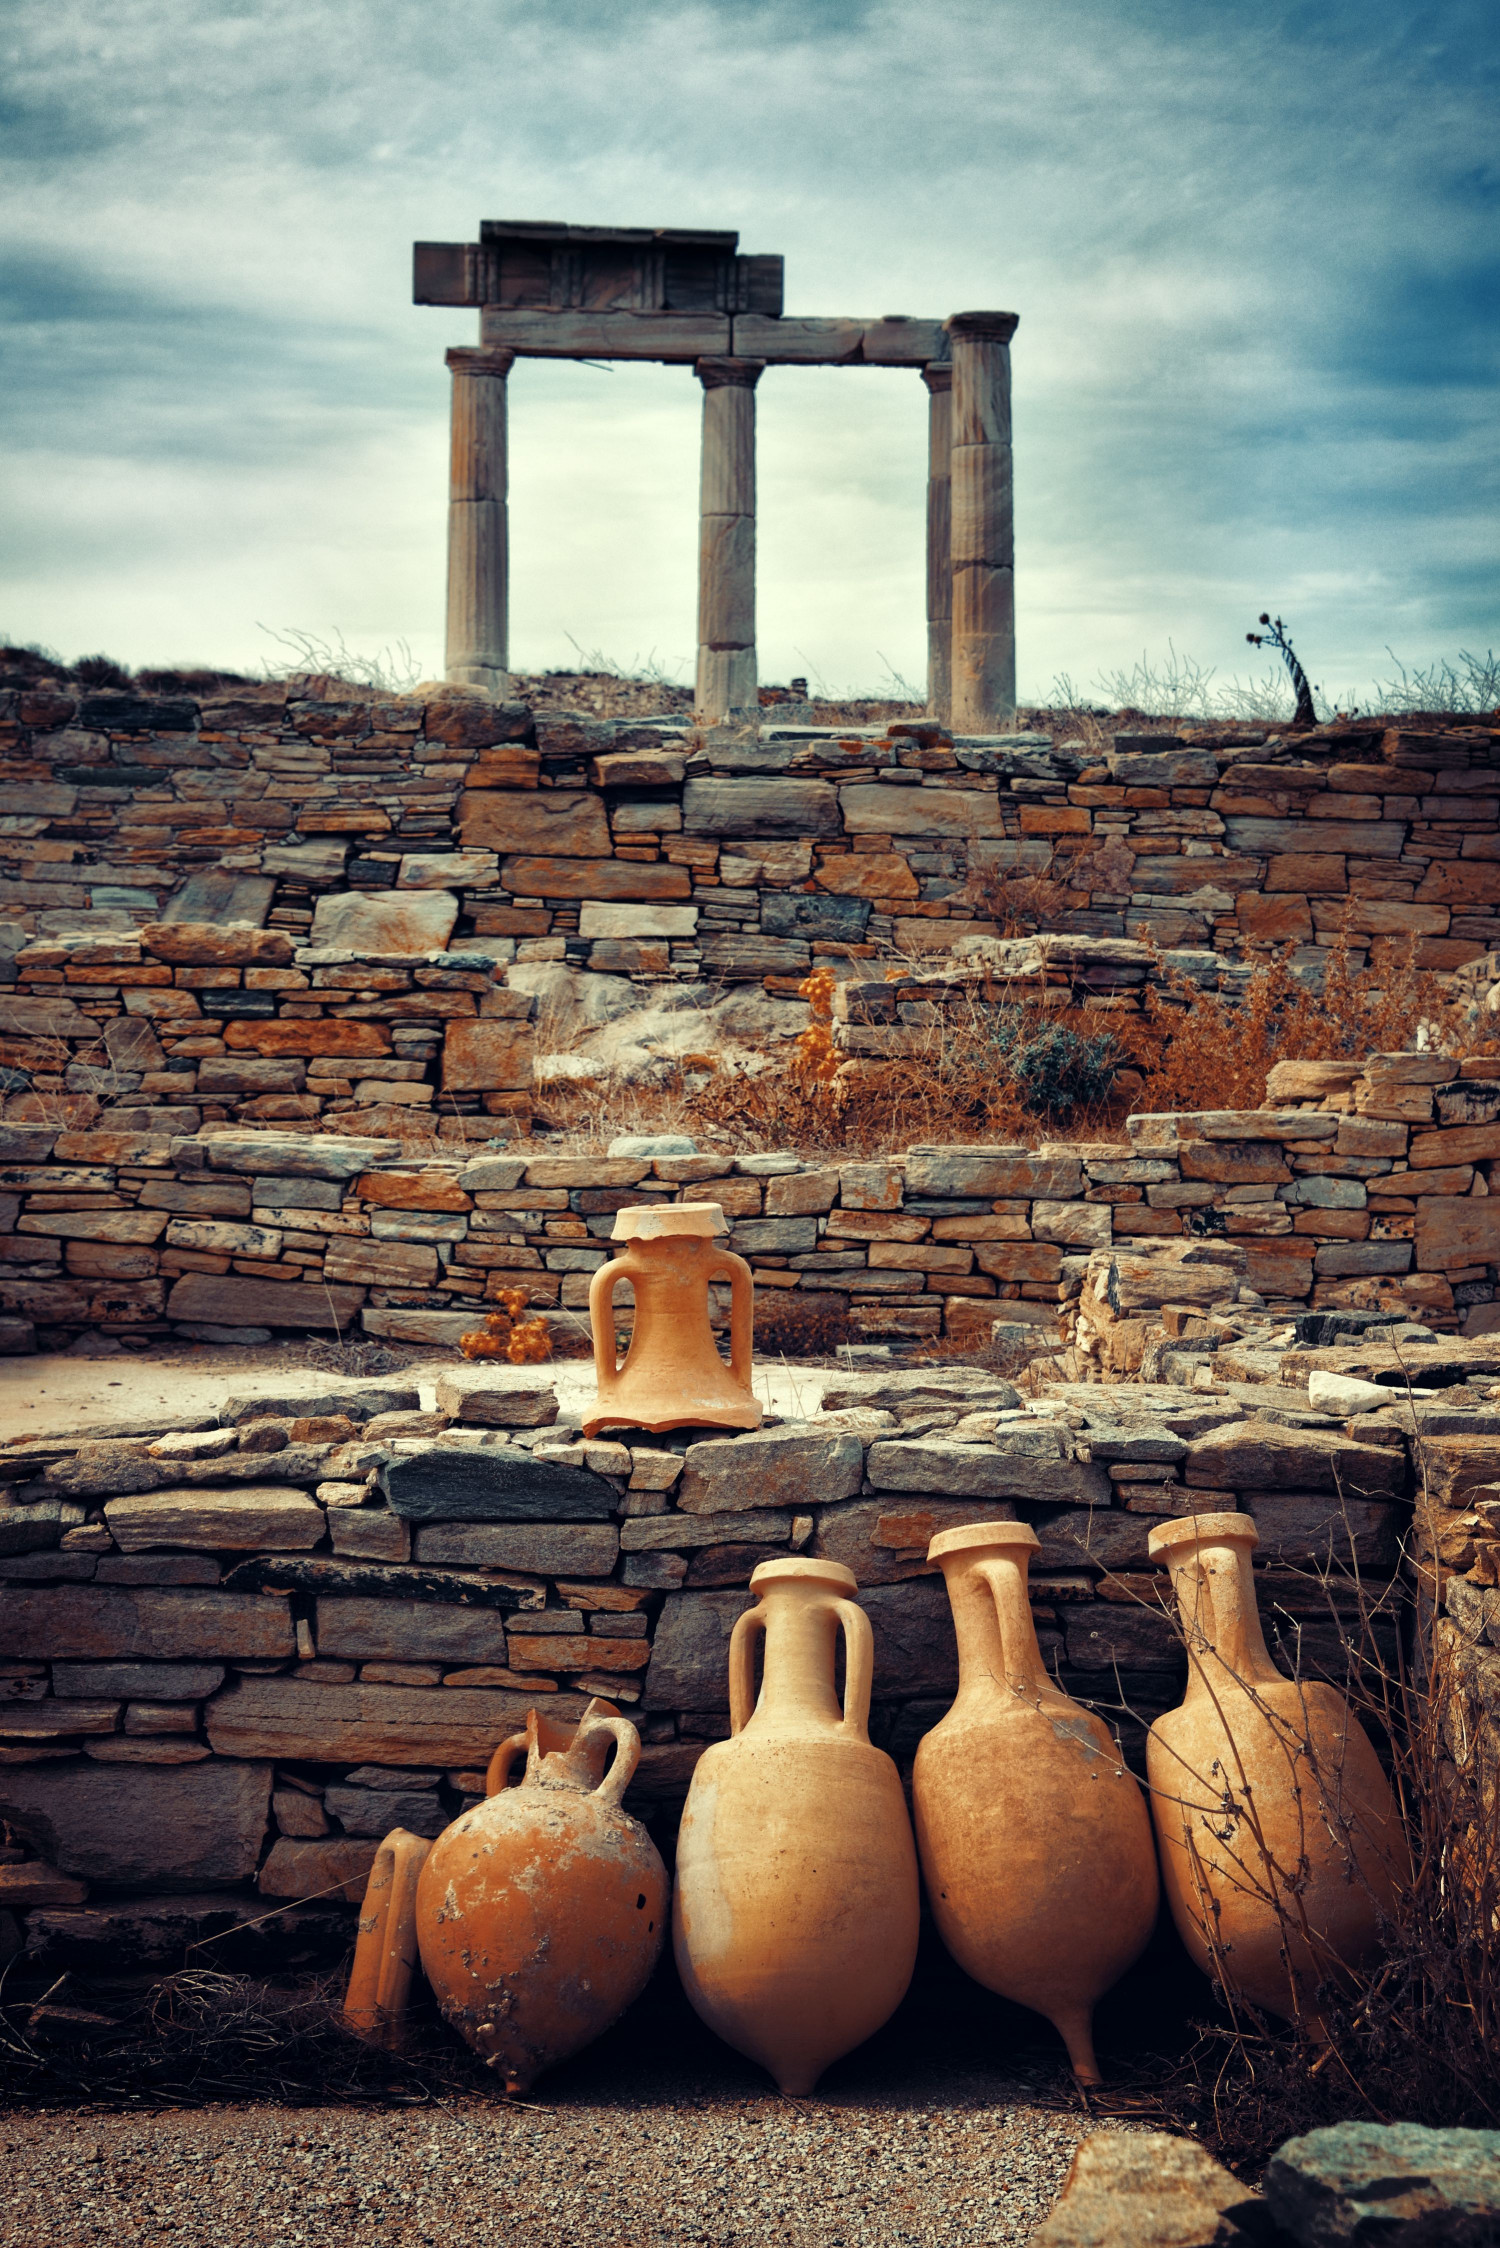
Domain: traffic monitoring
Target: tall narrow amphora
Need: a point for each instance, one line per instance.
(1035, 1839)
(1281, 1844)
(795, 1915)
(672, 1375)
(542, 1911)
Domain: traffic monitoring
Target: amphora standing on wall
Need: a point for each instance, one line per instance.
(672, 1375)
(1282, 1848)
(795, 1918)
(1035, 1839)
(542, 1911)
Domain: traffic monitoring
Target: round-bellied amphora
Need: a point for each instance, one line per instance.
(672, 1375)
(1034, 1837)
(795, 1916)
(1282, 1848)
(542, 1911)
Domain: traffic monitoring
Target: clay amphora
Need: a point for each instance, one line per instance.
(1281, 1844)
(542, 1911)
(385, 1950)
(672, 1375)
(795, 1917)
(1035, 1838)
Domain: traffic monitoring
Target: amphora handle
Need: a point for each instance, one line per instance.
(859, 1666)
(627, 1755)
(602, 1322)
(741, 1313)
(503, 1762)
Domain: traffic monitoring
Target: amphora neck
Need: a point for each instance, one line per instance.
(987, 1590)
(801, 1624)
(1213, 1585)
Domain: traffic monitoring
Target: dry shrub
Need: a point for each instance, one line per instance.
(1201, 1049)
(1025, 902)
(505, 1334)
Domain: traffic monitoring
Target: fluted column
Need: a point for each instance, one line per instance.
(983, 536)
(726, 540)
(938, 376)
(478, 630)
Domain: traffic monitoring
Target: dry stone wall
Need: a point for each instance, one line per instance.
(1365, 1188)
(240, 1652)
(655, 850)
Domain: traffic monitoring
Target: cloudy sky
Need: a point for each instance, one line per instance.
(1254, 253)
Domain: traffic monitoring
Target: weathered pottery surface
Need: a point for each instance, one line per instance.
(1034, 1837)
(672, 1375)
(1265, 1791)
(542, 1911)
(795, 1917)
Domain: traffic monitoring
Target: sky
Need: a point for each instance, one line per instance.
(1254, 254)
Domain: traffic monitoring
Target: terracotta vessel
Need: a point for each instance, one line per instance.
(1035, 1838)
(385, 1950)
(795, 1916)
(542, 1911)
(672, 1375)
(1266, 1793)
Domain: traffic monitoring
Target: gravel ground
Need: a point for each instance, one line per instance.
(963, 2162)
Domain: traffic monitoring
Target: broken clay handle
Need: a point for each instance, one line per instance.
(505, 1757)
(627, 1754)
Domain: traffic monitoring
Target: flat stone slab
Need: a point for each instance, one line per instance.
(92, 1623)
(496, 1484)
(177, 1827)
(270, 1516)
(444, 1727)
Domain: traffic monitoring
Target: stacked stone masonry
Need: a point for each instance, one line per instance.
(657, 850)
(1367, 1186)
(242, 1651)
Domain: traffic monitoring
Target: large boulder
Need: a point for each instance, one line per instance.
(1387, 2182)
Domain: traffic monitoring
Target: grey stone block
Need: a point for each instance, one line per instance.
(172, 1826)
(497, 1483)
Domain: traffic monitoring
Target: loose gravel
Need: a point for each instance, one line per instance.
(966, 2162)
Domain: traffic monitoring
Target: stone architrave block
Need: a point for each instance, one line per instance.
(297, 1720)
(547, 823)
(94, 1623)
(380, 921)
(1258, 1455)
(271, 1518)
(497, 1396)
(772, 807)
(549, 1549)
(157, 1826)
(980, 1471)
(493, 1483)
(773, 1467)
(488, 1057)
(676, 921)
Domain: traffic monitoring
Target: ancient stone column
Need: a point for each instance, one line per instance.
(938, 376)
(478, 635)
(983, 536)
(726, 540)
